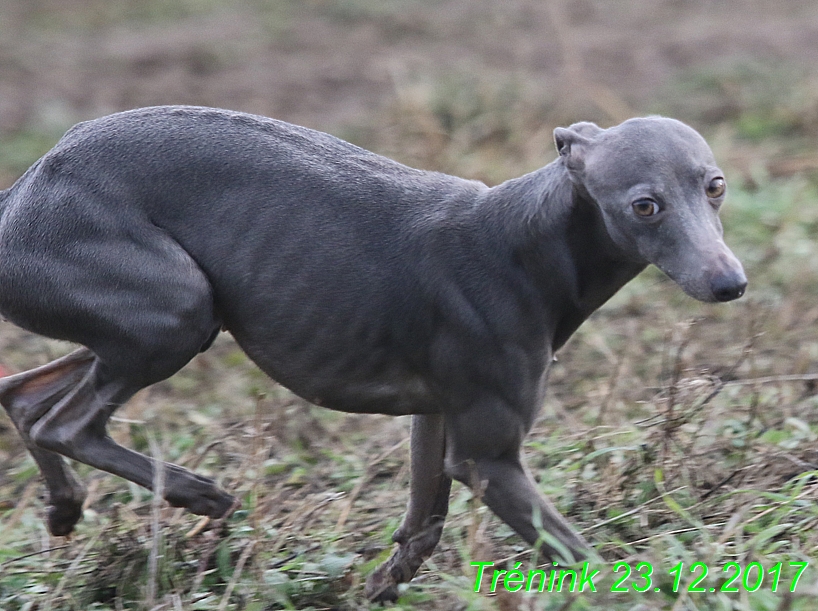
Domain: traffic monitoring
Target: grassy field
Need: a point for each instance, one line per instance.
(673, 431)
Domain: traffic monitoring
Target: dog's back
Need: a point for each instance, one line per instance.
(313, 248)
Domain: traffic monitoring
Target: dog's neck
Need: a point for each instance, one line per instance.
(559, 235)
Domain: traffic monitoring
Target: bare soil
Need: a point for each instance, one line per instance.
(328, 63)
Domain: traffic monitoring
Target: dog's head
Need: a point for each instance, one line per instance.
(659, 191)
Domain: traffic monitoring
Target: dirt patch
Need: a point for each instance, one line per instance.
(333, 62)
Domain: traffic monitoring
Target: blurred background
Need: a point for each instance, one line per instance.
(482, 73)
(673, 431)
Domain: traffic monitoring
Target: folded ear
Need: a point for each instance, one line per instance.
(587, 129)
(574, 143)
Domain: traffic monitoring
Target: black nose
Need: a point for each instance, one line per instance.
(727, 287)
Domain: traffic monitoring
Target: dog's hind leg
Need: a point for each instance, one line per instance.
(26, 397)
(143, 308)
(75, 427)
(428, 506)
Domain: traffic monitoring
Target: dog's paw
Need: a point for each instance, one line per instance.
(381, 586)
(63, 516)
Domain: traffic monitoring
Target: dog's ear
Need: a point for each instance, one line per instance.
(573, 144)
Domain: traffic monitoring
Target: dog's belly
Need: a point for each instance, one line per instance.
(350, 384)
(394, 397)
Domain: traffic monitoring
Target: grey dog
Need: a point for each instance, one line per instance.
(358, 283)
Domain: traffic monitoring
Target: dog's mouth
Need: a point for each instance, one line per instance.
(712, 275)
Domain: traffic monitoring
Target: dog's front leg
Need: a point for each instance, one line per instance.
(510, 493)
(483, 443)
(425, 514)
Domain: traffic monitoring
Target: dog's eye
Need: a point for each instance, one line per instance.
(716, 188)
(645, 207)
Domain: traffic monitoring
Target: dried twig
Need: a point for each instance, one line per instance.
(234, 579)
(71, 571)
(363, 480)
(805, 377)
(48, 550)
(156, 511)
(613, 382)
